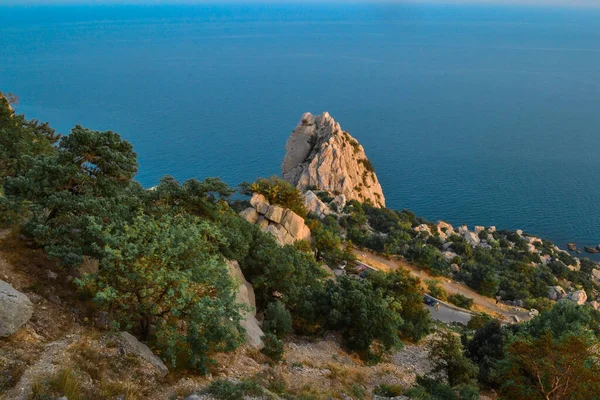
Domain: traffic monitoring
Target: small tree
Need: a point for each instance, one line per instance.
(278, 319)
(447, 356)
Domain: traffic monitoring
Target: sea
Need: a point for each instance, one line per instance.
(482, 115)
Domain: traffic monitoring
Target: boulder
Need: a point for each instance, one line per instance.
(294, 224)
(454, 267)
(316, 205)
(260, 203)
(15, 309)
(423, 228)
(250, 214)
(262, 222)
(340, 202)
(531, 248)
(463, 229)
(275, 213)
(578, 296)
(130, 345)
(492, 229)
(519, 232)
(556, 292)
(596, 276)
(472, 238)
(444, 228)
(479, 229)
(449, 255)
(245, 295)
(320, 154)
(546, 258)
(572, 246)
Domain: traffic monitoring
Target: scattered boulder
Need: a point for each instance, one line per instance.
(130, 345)
(454, 267)
(572, 246)
(492, 229)
(578, 296)
(463, 229)
(339, 201)
(556, 292)
(472, 238)
(591, 249)
(596, 276)
(250, 214)
(423, 228)
(245, 295)
(449, 255)
(320, 154)
(479, 229)
(594, 304)
(15, 309)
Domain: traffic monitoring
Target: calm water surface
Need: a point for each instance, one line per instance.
(477, 115)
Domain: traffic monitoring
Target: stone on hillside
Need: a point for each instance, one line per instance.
(492, 229)
(519, 232)
(556, 292)
(444, 228)
(275, 214)
(294, 224)
(578, 296)
(15, 309)
(478, 229)
(531, 248)
(250, 214)
(245, 295)
(130, 345)
(262, 222)
(259, 202)
(320, 154)
(454, 268)
(449, 255)
(423, 228)
(340, 202)
(546, 258)
(596, 276)
(472, 238)
(447, 246)
(315, 205)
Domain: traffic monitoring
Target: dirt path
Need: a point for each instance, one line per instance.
(482, 303)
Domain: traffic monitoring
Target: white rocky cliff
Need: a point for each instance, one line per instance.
(320, 154)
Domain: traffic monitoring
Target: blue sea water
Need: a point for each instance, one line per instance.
(472, 114)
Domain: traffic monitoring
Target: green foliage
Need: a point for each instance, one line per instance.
(278, 319)
(166, 272)
(273, 347)
(447, 356)
(436, 290)
(433, 389)
(228, 390)
(461, 301)
(278, 191)
(385, 390)
(486, 349)
(404, 293)
(361, 314)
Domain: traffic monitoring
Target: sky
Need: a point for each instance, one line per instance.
(570, 3)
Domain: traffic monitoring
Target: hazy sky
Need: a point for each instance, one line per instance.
(579, 3)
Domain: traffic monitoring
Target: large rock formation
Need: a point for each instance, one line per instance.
(15, 309)
(284, 224)
(245, 295)
(319, 154)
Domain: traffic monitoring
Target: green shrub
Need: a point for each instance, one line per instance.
(280, 192)
(461, 301)
(385, 390)
(436, 290)
(227, 390)
(278, 319)
(273, 347)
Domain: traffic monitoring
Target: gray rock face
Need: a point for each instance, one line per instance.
(130, 345)
(285, 225)
(556, 292)
(472, 238)
(578, 296)
(319, 153)
(15, 309)
(245, 295)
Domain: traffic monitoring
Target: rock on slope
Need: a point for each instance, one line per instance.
(319, 153)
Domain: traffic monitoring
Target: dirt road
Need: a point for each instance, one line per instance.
(482, 303)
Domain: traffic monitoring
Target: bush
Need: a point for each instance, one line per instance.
(388, 390)
(280, 192)
(273, 347)
(278, 319)
(461, 301)
(227, 390)
(436, 290)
